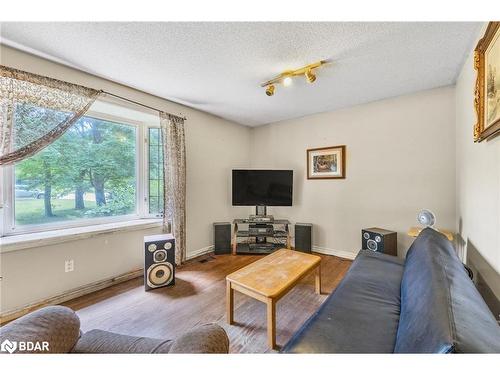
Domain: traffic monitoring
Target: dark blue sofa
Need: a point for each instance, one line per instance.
(426, 304)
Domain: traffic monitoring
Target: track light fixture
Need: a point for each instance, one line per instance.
(285, 78)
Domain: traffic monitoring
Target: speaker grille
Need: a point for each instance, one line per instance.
(222, 238)
(303, 237)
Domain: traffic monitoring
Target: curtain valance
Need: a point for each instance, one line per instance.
(36, 110)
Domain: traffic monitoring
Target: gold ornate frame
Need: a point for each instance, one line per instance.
(480, 132)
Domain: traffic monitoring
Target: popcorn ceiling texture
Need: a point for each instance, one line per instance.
(218, 67)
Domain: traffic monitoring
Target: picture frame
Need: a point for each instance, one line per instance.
(326, 163)
(487, 90)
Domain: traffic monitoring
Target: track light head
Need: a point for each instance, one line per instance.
(270, 90)
(310, 76)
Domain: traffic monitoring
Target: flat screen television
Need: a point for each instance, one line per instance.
(262, 187)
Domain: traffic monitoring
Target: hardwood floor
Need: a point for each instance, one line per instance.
(199, 297)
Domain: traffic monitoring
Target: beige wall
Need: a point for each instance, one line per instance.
(400, 159)
(214, 146)
(478, 183)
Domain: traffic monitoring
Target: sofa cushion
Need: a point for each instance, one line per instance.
(58, 326)
(206, 338)
(361, 315)
(99, 341)
(441, 310)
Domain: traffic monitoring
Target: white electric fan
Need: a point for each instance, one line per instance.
(426, 218)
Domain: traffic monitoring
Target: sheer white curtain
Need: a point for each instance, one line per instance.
(174, 177)
(35, 111)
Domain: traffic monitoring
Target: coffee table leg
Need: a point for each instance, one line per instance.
(271, 323)
(229, 302)
(318, 279)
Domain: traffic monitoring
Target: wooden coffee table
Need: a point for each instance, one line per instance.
(269, 279)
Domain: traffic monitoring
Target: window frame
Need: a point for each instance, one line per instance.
(146, 170)
(142, 187)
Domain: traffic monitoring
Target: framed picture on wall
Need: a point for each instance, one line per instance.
(487, 92)
(326, 162)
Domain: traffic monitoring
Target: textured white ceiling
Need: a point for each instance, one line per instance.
(218, 67)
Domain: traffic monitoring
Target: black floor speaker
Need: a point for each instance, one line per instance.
(380, 240)
(159, 261)
(222, 238)
(303, 237)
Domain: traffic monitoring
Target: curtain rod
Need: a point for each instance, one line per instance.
(139, 104)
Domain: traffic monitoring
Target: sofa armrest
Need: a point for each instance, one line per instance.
(52, 329)
(208, 338)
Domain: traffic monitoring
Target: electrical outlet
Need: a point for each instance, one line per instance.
(69, 265)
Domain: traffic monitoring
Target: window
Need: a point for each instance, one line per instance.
(92, 174)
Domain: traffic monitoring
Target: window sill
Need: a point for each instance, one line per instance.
(26, 241)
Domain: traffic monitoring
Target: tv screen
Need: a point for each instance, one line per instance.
(253, 187)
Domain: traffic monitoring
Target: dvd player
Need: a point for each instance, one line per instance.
(261, 231)
(261, 219)
(261, 246)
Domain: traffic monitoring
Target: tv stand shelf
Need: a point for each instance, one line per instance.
(274, 235)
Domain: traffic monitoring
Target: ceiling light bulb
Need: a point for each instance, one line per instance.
(270, 90)
(287, 81)
(310, 76)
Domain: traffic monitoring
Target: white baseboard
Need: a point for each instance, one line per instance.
(199, 252)
(337, 253)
